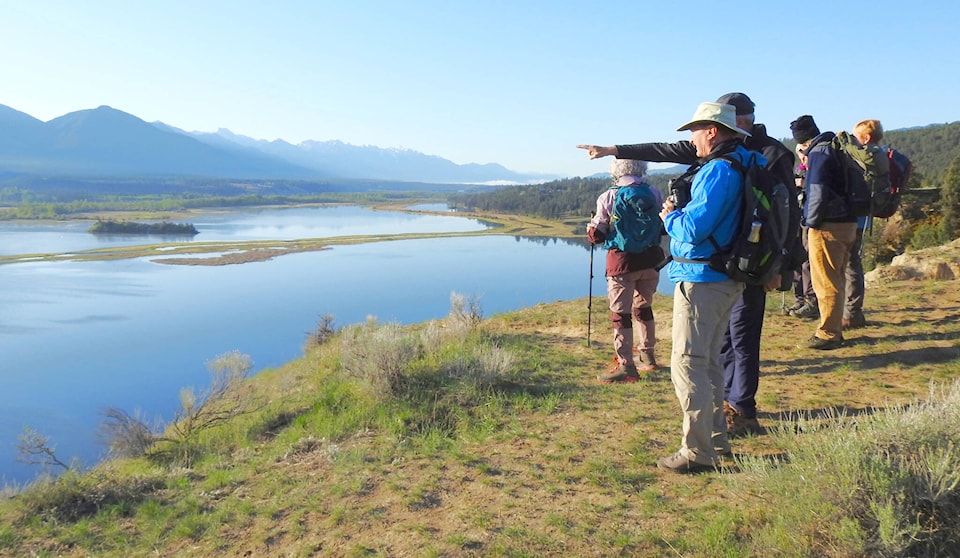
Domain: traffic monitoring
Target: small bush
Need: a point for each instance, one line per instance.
(34, 448)
(227, 397)
(378, 355)
(74, 496)
(482, 367)
(465, 314)
(126, 435)
(322, 333)
(925, 235)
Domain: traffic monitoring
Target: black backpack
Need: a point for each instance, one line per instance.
(759, 244)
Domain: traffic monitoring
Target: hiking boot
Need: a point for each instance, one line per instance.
(796, 306)
(648, 362)
(620, 373)
(855, 321)
(806, 311)
(738, 424)
(677, 463)
(821, 344)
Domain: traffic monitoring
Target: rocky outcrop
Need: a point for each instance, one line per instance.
(940, 263)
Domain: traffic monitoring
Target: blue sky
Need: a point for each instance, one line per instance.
(516, 82)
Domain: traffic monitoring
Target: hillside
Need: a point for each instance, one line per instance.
(546, 463)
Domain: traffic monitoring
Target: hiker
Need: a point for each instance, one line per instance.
(868, 133)
(740, 351)
(702, 296)
(632, 277)
(832, 229)
(806, 299)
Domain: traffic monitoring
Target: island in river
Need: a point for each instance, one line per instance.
(165, 228)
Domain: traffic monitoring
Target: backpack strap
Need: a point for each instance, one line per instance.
(740, 168)
(737, 166)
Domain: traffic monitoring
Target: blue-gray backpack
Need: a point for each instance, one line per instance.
(635, 222)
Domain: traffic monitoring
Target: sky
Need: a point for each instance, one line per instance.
(514, 82)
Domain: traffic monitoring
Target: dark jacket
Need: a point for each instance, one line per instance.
(779, 160)
(825, 186)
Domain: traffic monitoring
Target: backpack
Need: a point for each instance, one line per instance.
(635, 222)
(885, 172)
(854, 160)
(886, 202)
(759, 243)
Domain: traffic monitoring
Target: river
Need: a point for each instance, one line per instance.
(77, 337)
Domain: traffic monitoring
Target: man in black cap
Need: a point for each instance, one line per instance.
(740, 353)
(831, 228)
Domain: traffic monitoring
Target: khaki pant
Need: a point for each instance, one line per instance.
(829, 251)
(701, 313)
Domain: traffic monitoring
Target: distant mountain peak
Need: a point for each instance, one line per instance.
(107, 141)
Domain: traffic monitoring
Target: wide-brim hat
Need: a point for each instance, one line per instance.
(716, 113)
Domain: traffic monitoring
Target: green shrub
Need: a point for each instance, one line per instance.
(886, 484)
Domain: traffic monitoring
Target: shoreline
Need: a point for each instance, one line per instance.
(233, 253)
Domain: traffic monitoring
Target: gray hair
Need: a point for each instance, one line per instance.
(627, 167)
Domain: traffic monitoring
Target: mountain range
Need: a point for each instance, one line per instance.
(109, 142)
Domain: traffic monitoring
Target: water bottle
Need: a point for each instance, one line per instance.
(746, 263)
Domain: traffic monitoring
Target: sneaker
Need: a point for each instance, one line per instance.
(648, 362)
(796, 306)
(806, 311)
(738, 424)
(620, 373)
(677, 463)
(821, 344)
(854, 322)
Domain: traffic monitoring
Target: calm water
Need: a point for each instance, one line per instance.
(267, 224)
(78, 337)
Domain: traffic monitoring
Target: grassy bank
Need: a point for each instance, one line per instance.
(491, 437)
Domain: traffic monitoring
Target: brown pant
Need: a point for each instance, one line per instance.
(627, 294)
(829, 251)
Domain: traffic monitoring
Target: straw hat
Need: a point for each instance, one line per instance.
(717, 113)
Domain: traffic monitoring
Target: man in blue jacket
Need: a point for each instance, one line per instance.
(703, 296)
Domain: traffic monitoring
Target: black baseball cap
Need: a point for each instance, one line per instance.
(739, 100)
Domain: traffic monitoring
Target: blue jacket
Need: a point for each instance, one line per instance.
(716, 202)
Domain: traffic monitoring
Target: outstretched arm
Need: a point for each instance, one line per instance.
(682, 152)
(596, 151)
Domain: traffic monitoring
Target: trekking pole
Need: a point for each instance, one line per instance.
(590, 294)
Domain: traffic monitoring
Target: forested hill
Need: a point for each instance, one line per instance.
(931, 149)
(560, 199)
